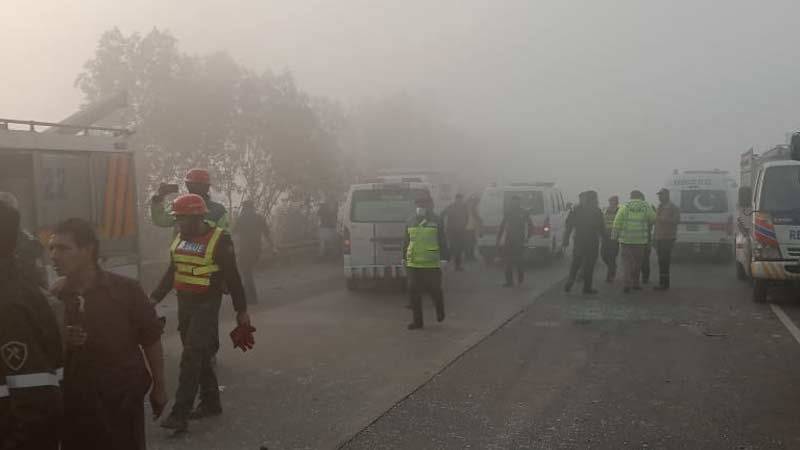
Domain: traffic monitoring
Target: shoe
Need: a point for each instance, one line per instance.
(590, 292)
(637, 288)
(415, 326)
(175, 423)
(204, 411)
(626, 290)
(660, 287)
(440, 317)
(567, 286)
(645, 281)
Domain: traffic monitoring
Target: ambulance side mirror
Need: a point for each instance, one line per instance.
(745, 197)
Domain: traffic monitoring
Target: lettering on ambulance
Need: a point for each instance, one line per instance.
(794, 235)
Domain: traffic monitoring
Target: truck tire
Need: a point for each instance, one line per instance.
(352, 284)
(759, 291)
(741, 275)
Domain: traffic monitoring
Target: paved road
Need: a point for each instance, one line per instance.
(699, 367)
(328, 363)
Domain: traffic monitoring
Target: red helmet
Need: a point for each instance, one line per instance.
(199, 176)
(189, 205)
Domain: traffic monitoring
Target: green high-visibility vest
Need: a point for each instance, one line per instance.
(423, 247)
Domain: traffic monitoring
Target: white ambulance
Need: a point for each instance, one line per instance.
(547, 209)
(707, 200)
(373, 226)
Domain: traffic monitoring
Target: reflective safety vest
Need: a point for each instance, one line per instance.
(194, 261)
(423, 246)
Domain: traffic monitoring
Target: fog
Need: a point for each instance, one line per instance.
(585, 93)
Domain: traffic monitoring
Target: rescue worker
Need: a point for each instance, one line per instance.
(198, 182)
(202, 259)
(30, 252)
(511, 239)
(113, 347)
(456, 217)
(327, 215)
(631, 226)
(610, 247)
(248, 231)
(474, 225)
(668, 216)
(425, 251)
(587, 221)
(30, 353)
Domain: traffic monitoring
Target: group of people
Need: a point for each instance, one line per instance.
(78, 358)
(631, 230)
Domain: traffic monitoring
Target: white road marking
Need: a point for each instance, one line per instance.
(786, 321)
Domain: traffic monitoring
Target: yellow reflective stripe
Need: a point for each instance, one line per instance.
(184, 268)
(204, 270)
(212, 245)
(175, 243)
(189, 279)
(195, 260)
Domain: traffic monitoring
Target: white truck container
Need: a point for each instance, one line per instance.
(707, 201)
(56, 175)
(373, 225)
(768, 232)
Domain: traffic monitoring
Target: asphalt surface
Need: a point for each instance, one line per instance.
(700, 367)
(327, 363)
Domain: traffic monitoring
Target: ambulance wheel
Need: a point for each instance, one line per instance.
(759, 291)
(741, 275)
(352, 284)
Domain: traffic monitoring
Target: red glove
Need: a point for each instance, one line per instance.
(242, 337)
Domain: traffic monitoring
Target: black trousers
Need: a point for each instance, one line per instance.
(584, 257)
(425, 281)
(514, 258)
(646, 263)
(609, 252)
(664, 251)
(247, 260)
(198, 324)
(458, 243)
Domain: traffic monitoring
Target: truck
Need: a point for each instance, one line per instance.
(63, 170)
(707, 201)
(768, 225)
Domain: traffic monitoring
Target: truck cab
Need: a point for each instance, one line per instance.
(768, 234)
(56, 176)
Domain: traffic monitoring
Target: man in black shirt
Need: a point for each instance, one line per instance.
(249, 229)
(512, 237)
(588, 223)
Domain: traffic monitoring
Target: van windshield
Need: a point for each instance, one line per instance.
(383, 205)
(704, 201)
(781, 189)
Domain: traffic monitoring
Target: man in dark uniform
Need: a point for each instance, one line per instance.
(456, 217)
(198, 181)
(111, 328)
(249, 230)
(30, 354)
(424, 250)
(202, 259)
(588, 223)
(511, 239)
(30, 252)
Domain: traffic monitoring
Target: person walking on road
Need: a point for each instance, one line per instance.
(668, 216)
(456, 217)
(474, 225)
(511, 239)
(610, 247)
(198, 181)
(328, 216)
(248, 231)
(30, 353)
(587, 221)
(111, 329)
(426, 251)
(631, 226)
(202, 258)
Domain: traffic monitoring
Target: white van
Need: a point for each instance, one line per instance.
(374, 219)
(441, 184)
(707, 200)
(547, 209)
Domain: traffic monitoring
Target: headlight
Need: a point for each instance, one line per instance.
(766, 253)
